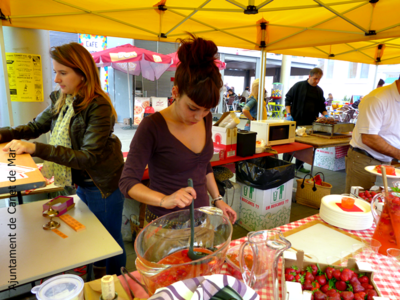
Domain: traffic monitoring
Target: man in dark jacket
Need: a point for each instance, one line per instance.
(304, 101)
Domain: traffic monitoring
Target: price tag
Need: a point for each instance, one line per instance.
(59, 233)
(71, 222)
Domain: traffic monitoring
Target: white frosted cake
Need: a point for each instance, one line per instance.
(331, 213)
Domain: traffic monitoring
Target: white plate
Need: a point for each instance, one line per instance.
(372, 170)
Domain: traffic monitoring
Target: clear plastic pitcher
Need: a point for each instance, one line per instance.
(267, 247)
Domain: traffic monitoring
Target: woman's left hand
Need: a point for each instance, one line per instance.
(20, 147)
(227, 210)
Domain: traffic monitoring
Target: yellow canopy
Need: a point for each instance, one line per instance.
(379, 52)
(290, 24)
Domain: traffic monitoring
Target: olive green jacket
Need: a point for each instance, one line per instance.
(95, 148)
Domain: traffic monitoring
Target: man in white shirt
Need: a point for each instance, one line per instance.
(376, 137)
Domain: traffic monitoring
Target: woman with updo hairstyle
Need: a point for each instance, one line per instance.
(82, 151)
(176, 143)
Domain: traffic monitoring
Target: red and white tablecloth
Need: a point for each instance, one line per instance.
(387, 279)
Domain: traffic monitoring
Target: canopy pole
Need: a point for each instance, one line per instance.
(375, 76)
(261, 87)
(6, 82)
(131, 113)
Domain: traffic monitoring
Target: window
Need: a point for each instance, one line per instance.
(329, 71)
(364, 71)
(352, 70)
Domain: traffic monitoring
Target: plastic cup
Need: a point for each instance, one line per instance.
(348, 202)
(394, 254)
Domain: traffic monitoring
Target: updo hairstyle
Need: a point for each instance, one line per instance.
(197, 75)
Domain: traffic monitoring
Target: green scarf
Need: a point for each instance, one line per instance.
(60, 137)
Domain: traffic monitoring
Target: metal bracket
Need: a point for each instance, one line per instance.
(162, 7)
(251, 10)
(371, 32)
(163, 35)
(2, 16)
(373, 1)
(331, 55)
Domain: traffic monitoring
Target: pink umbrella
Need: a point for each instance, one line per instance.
(221, 65)
(134, 60)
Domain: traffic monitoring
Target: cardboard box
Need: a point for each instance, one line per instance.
(302, 264)
(225, 140)
(265, 209)
(332, 158)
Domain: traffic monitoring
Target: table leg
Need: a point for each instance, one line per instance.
(312, 165)
(89, 272)
(20, 201)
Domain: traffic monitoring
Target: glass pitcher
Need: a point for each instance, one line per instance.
(267, 246)
(387, 230)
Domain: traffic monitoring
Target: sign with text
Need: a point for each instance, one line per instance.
(25, 77)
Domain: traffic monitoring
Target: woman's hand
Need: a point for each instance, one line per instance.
(180, 198)
(227, 210)
(20, 147)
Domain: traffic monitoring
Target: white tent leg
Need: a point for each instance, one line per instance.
(6, 83)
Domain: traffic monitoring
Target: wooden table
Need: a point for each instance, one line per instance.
(35, 178)
(319, 142)
(41, 253)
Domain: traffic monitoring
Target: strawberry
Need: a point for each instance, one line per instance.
(290, 271)
(359, 296)
(332, 293)
(347, 295)
(325, 288)
(321, 279)
(367, 194)
(362, 194)
(367, 286)
(289, 277)
(363, 279)
(318, 295)
(329, 272)
(337, 274)
(309, 276)
(299, 278)
(313, 269)
(315, 285)
(371, 294)
(346, 274)
(341, 285)
(334, 298)
(373, 194)
(307, 285)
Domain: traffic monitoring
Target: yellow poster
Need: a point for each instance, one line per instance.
(25, 77)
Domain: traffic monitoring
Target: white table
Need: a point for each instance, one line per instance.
(41, 253)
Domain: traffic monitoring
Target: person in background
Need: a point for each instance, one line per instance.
(251, 106)
(246, 93)
(381, 83)
(83, 149)
(176, 143)
(376, 136)
(357, 103)
(329, 100)
(304, 102)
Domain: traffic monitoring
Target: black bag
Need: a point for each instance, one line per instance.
(264, 173)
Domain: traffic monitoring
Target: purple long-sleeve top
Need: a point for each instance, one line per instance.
(169, 161)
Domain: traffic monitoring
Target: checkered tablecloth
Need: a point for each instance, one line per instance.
(387, 278)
